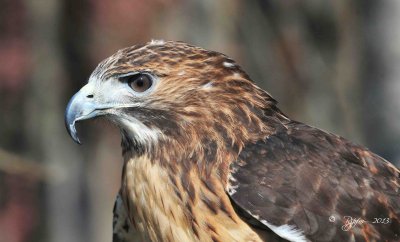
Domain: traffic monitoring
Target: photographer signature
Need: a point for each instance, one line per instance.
(350, 222)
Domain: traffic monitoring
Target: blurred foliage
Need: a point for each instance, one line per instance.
(332, 64)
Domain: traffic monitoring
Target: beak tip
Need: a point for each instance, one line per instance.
(70, 121)
(72, 132)
(76, 138)
(70, 117)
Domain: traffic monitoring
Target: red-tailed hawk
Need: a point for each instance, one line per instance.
(208, 156)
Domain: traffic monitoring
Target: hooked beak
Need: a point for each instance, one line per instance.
(81, 106)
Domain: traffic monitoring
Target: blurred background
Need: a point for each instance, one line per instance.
(331, 64)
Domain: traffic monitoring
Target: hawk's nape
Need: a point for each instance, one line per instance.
(208, 156)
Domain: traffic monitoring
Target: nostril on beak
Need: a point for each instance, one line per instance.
(90, 96)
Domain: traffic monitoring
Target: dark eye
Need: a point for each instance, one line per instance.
(140, 82)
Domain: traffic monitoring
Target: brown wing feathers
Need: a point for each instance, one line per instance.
(302, 176)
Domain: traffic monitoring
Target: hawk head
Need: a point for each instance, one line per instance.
(170, 94)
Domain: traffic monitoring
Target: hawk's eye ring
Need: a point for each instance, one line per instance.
(140, 82)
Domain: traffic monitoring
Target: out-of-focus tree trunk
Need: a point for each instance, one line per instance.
(381, 86)
(45, 130)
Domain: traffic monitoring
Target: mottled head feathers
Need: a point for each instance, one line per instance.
(202, 105)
